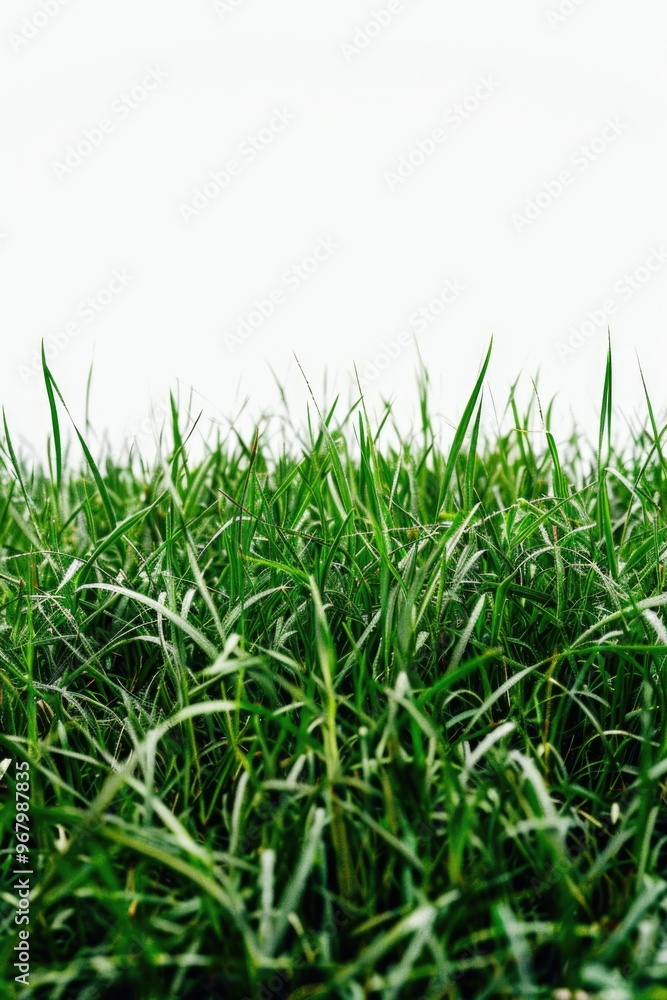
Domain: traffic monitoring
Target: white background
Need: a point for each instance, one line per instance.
(359, 103)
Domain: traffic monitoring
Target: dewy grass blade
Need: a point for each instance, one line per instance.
(295, 887)
(185, 627)
(461, 431)
(604, 509)
(55, 423)
(99, 481)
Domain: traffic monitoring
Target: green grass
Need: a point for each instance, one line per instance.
(323, 715)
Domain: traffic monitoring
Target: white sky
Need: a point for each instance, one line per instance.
(306, 130)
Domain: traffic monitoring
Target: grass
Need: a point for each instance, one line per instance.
(336, 717)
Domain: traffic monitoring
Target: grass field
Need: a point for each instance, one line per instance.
(322, 715)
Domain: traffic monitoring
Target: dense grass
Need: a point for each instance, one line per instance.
(336, 717)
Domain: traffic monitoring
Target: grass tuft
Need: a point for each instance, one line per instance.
(356, 717)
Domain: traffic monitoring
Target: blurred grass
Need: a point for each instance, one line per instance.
(339, 717)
